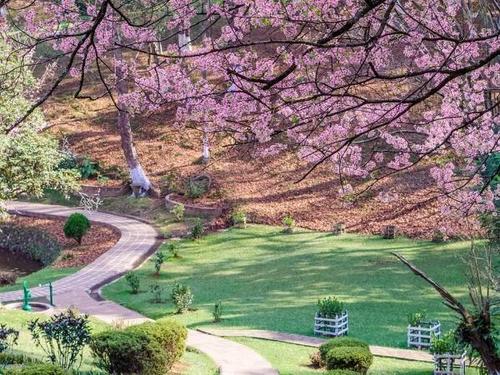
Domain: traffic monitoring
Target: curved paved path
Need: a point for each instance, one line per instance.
(137, 241)
(379, 351)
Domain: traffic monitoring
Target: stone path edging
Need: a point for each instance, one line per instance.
(379, 351)
(137, 241)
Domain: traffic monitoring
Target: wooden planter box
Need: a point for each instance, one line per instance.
(337, 326)
(420, 336)
(449, 364)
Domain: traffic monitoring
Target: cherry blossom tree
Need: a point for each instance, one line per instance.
(370, 88)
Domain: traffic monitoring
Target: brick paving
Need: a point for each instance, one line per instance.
(136, 242)
(379, 351)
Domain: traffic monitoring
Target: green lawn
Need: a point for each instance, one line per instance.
(270, 280)
(41, 277)
(291, 359)
(192, 363)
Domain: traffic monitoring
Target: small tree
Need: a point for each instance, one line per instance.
(76, 226)
(133, 281)
(62, 337)
(158, 260)
(178, 212)
(477, 324)
(182, 297)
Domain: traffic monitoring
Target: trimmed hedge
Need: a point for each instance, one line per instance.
(150, 348)
(349, 358)
(37, 369)
(34, 243)
(339, 342)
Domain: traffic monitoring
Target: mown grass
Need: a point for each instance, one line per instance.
(291, 359)
(270, 280)
(42, 276)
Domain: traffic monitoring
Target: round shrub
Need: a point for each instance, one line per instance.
(76, 226)
(341, 372)
(171, 337)
(37, 369)
(339, 342)
(127, 352)
(34, 243)
(349, 358)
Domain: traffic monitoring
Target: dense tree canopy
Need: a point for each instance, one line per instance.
(371, 88)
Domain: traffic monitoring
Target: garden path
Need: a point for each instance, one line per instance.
(379, 351)
(138, 240)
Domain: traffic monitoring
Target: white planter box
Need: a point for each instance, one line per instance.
(449, 364)
(420, 336)
(337, 326)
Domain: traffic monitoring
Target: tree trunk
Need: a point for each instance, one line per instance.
(205, 157)
(140, 181)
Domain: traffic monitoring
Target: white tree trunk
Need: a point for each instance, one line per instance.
(206, 148)
(140, 181)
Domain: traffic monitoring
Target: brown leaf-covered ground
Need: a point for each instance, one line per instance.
(266, 188)
(97, 241)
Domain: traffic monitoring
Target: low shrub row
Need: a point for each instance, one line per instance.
(34, 243)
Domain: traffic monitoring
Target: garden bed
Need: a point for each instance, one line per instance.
(97, 241)
(194, 208)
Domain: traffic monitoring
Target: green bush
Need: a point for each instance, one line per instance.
(88, 168)
(330, 307)
(182, 297)
(417, 318)
(289, 223)
(349, 358)
(197, 229)
(76, 226)
(150, 348)
(196, 188)
(239, 218)
(178, 212)
(158, 260)
(128, 352)
(34, 243)
(170, 335)
(340, 342)
(37, 369)
(447, 343)
(133, 281)
(341, 372)
(62, 337)
(217, 313)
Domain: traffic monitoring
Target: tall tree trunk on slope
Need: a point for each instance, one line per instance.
(140, 181)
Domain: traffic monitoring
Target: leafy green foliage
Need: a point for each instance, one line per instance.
(76, 226)
(173, 249)
(178, 212)
(197, 230)
(447, 343)
(34, 243)
(88, 168)
(126, 352)
(156, 293)
(339, 342)
(196, 188)
(341, 372)
(133, 282)
(37, 369)
(149, 348)
(158, 260)
(239, 218)
(349, 358)
(8, 358)
(62, 337)
(330, 307)
(417, 318)
(289, 223)
(182, 297)
(8, 337)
